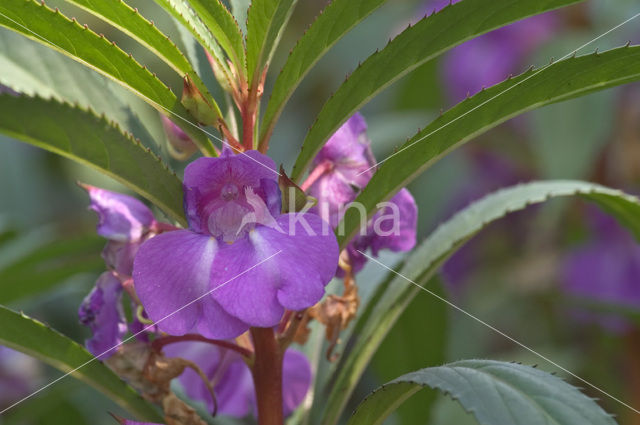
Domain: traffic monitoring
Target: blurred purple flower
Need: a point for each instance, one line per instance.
(343, 167)
(232, 381)
(102, 312)
(488, 172)
(490, 58)
(19, 376)
(8, 90)
(604, 269)
(232, 204)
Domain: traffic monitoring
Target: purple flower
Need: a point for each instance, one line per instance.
(343, 167)
(101, 310)
(121, 217)
(210, 279)
(19, 376)
(605, 269)
(490, 58)
(232, 380)
(126, 223)
(346, 164)
(488, 172)
(396, 233)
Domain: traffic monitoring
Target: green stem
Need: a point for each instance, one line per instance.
(267, 376)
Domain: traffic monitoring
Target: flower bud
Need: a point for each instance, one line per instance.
(180, 144)
(197, 105)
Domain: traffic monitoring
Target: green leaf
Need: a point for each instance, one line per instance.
(50, 264)
(561, 81)
(418, 339)
(183, 13)
(338, 18)
(496, 393)
(128, 20)
(34, 69)
(394, 295)
(38, 22)
(38, 340)
(83, 137)
(425, 41)
(239, 9)
(266, 20)
(224, 28)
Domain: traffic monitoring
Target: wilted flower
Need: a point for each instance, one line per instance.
(343, 167)
(210, 279)
(232, 380)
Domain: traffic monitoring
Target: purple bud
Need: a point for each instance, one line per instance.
(180, 144)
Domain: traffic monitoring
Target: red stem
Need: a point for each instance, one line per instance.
(248, 113)
(267, 376)
(160, 342)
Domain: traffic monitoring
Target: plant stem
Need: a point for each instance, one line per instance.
(267, 376)
(160, 342)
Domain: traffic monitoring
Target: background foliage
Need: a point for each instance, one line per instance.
(49, 257)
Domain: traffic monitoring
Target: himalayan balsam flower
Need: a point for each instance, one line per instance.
(232, 380)
(605, 269)
(345, 165)
(241, 263)
(125, 222)
(489, 59)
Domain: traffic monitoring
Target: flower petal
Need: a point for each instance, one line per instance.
(247, 281)
(232, 380)
(296, 380)
(282, 267)
(101, 310)
(205, 178)
(121, 217)
(308, 257)
(400, 236)
(171, 272)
